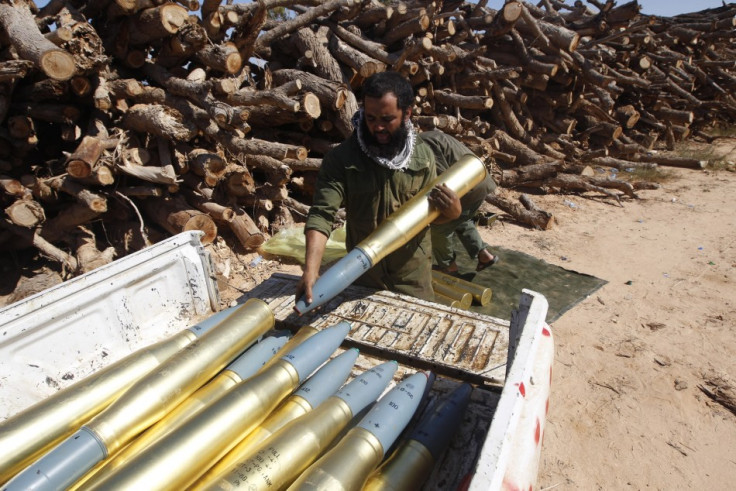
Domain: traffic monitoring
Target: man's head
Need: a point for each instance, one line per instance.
(387, 102)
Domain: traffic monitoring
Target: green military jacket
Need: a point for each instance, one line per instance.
(370, 193)
(448, 150)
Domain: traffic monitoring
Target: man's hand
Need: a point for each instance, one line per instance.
(315, 245)
(446, 201)
(304, 286)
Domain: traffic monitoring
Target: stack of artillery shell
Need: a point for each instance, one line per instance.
(446, 291)
(241, 369)
(34, 431)
(310, 396)
(147, 400)
(439, 298)
(178, 458)
(238, 410)
(481, 294)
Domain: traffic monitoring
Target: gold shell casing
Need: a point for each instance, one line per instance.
(417, 213)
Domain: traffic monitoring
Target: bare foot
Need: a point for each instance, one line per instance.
(485, 259)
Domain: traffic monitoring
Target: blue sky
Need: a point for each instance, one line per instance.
(651, 7)
(674, 7)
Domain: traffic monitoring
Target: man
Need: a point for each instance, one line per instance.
(447, 150)
(376, 170)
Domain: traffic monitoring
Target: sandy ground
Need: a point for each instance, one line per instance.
(627, 410)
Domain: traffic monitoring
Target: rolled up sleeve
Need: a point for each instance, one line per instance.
(328, 196)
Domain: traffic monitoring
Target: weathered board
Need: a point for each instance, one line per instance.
(426, 335)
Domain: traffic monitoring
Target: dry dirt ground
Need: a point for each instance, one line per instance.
(645, 368)
(634, 361)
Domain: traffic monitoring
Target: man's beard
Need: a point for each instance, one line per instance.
(393, 147)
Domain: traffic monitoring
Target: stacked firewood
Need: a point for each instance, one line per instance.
(122, 121)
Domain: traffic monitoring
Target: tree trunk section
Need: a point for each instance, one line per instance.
(20, 26)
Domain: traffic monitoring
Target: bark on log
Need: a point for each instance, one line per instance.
(570, 182)
(535, 172)
(60, 227)
(462, 101)
(84, 159)
(215, 210)
(331, 94)
(308, 110)
(156, 23)
(537, 219)
(220, 57)
(363, 64)
(276, 171)
(162, 121)
(88, 256)
(682, 162)
(299, 21)
(20, 27)
(175, 216)
(246, 230)
(95, 202)
(276, 150)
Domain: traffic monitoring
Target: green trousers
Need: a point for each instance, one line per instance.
(442, 237)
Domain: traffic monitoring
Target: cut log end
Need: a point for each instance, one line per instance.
(173, 17)
(233, 63)
(26, 213)
(57, 64)
(311, 106)
(204, 223)
(128, 6)
(78, 168)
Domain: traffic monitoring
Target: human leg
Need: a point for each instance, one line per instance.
(442, 249)
(471, 240)
(468, 235)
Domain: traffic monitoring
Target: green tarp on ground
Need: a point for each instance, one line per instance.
(515, 271)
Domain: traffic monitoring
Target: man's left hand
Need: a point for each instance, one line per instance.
(446, 201)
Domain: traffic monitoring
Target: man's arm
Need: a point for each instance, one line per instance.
(329, 194)
(316, 242)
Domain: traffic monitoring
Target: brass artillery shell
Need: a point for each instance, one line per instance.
(481, 294)
(465, 298)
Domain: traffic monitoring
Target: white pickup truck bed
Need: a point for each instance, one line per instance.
(56, 337)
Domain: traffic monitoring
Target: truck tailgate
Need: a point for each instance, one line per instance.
(53, 338)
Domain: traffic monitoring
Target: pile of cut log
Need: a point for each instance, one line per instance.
(122, 119)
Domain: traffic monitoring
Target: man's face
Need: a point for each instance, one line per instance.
(385, 123)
